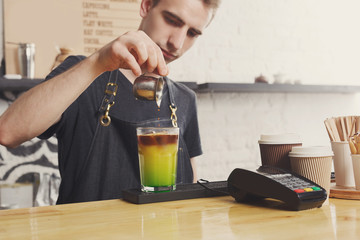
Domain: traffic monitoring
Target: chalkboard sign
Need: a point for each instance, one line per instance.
(81, 25)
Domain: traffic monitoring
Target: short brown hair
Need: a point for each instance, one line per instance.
(214, 4)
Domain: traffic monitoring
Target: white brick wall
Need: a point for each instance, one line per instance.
(231, 124)
(313, 41)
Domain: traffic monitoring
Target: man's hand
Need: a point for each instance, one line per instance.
(135, 51)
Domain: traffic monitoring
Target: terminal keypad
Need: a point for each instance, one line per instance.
(294, 183)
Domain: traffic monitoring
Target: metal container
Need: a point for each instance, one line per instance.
(26, 54)
(149, 88)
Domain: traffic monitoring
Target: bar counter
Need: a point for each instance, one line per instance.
(204, 218)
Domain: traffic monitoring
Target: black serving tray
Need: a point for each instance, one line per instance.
(183, 191)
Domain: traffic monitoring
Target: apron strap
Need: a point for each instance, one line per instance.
(110, 93)
(172, 106)
(108, 100)
(171, 91)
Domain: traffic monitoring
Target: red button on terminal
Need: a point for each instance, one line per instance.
(299, 190)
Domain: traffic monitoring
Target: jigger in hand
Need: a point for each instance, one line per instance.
(149, 88)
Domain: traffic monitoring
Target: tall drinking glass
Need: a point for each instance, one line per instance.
(158, 149)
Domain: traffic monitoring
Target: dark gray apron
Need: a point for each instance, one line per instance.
(112, 163)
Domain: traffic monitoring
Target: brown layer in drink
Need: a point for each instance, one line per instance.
(157, 139)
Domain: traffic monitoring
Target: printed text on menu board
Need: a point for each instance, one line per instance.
(105, 20)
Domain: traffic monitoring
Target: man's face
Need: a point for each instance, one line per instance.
(174, 25)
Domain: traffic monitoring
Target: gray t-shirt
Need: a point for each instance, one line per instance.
(99, 174)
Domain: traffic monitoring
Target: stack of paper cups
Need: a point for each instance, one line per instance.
(314, 163)
(274, 149)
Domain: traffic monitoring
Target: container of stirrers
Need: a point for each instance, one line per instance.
(340, 129)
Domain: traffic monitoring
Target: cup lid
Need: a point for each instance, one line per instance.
(286, 138)
(313, 151)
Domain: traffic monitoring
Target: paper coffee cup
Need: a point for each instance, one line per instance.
(314, 163)
(356, 168)
(275, 148)
(343, 166)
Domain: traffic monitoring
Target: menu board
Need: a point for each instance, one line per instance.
(80, 25)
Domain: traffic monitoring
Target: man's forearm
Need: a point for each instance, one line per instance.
(40, 107)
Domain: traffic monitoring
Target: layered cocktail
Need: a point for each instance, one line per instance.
(158, 149)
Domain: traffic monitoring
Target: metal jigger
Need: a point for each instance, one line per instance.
(149, 88)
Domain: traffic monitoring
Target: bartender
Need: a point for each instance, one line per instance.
(97, 162)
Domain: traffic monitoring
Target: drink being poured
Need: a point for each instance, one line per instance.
(149, 88)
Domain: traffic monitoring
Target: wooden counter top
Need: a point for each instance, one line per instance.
(207, 218)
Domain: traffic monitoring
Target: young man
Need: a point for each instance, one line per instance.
(97, 162)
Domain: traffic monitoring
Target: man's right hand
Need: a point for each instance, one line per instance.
(135, 51)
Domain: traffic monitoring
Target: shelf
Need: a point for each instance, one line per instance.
(275, 88)
(191, 85)
(18, 84)
(25, 84)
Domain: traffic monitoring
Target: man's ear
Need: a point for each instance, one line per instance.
(145, 7)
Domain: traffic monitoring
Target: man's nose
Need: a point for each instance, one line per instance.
(177, 38)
